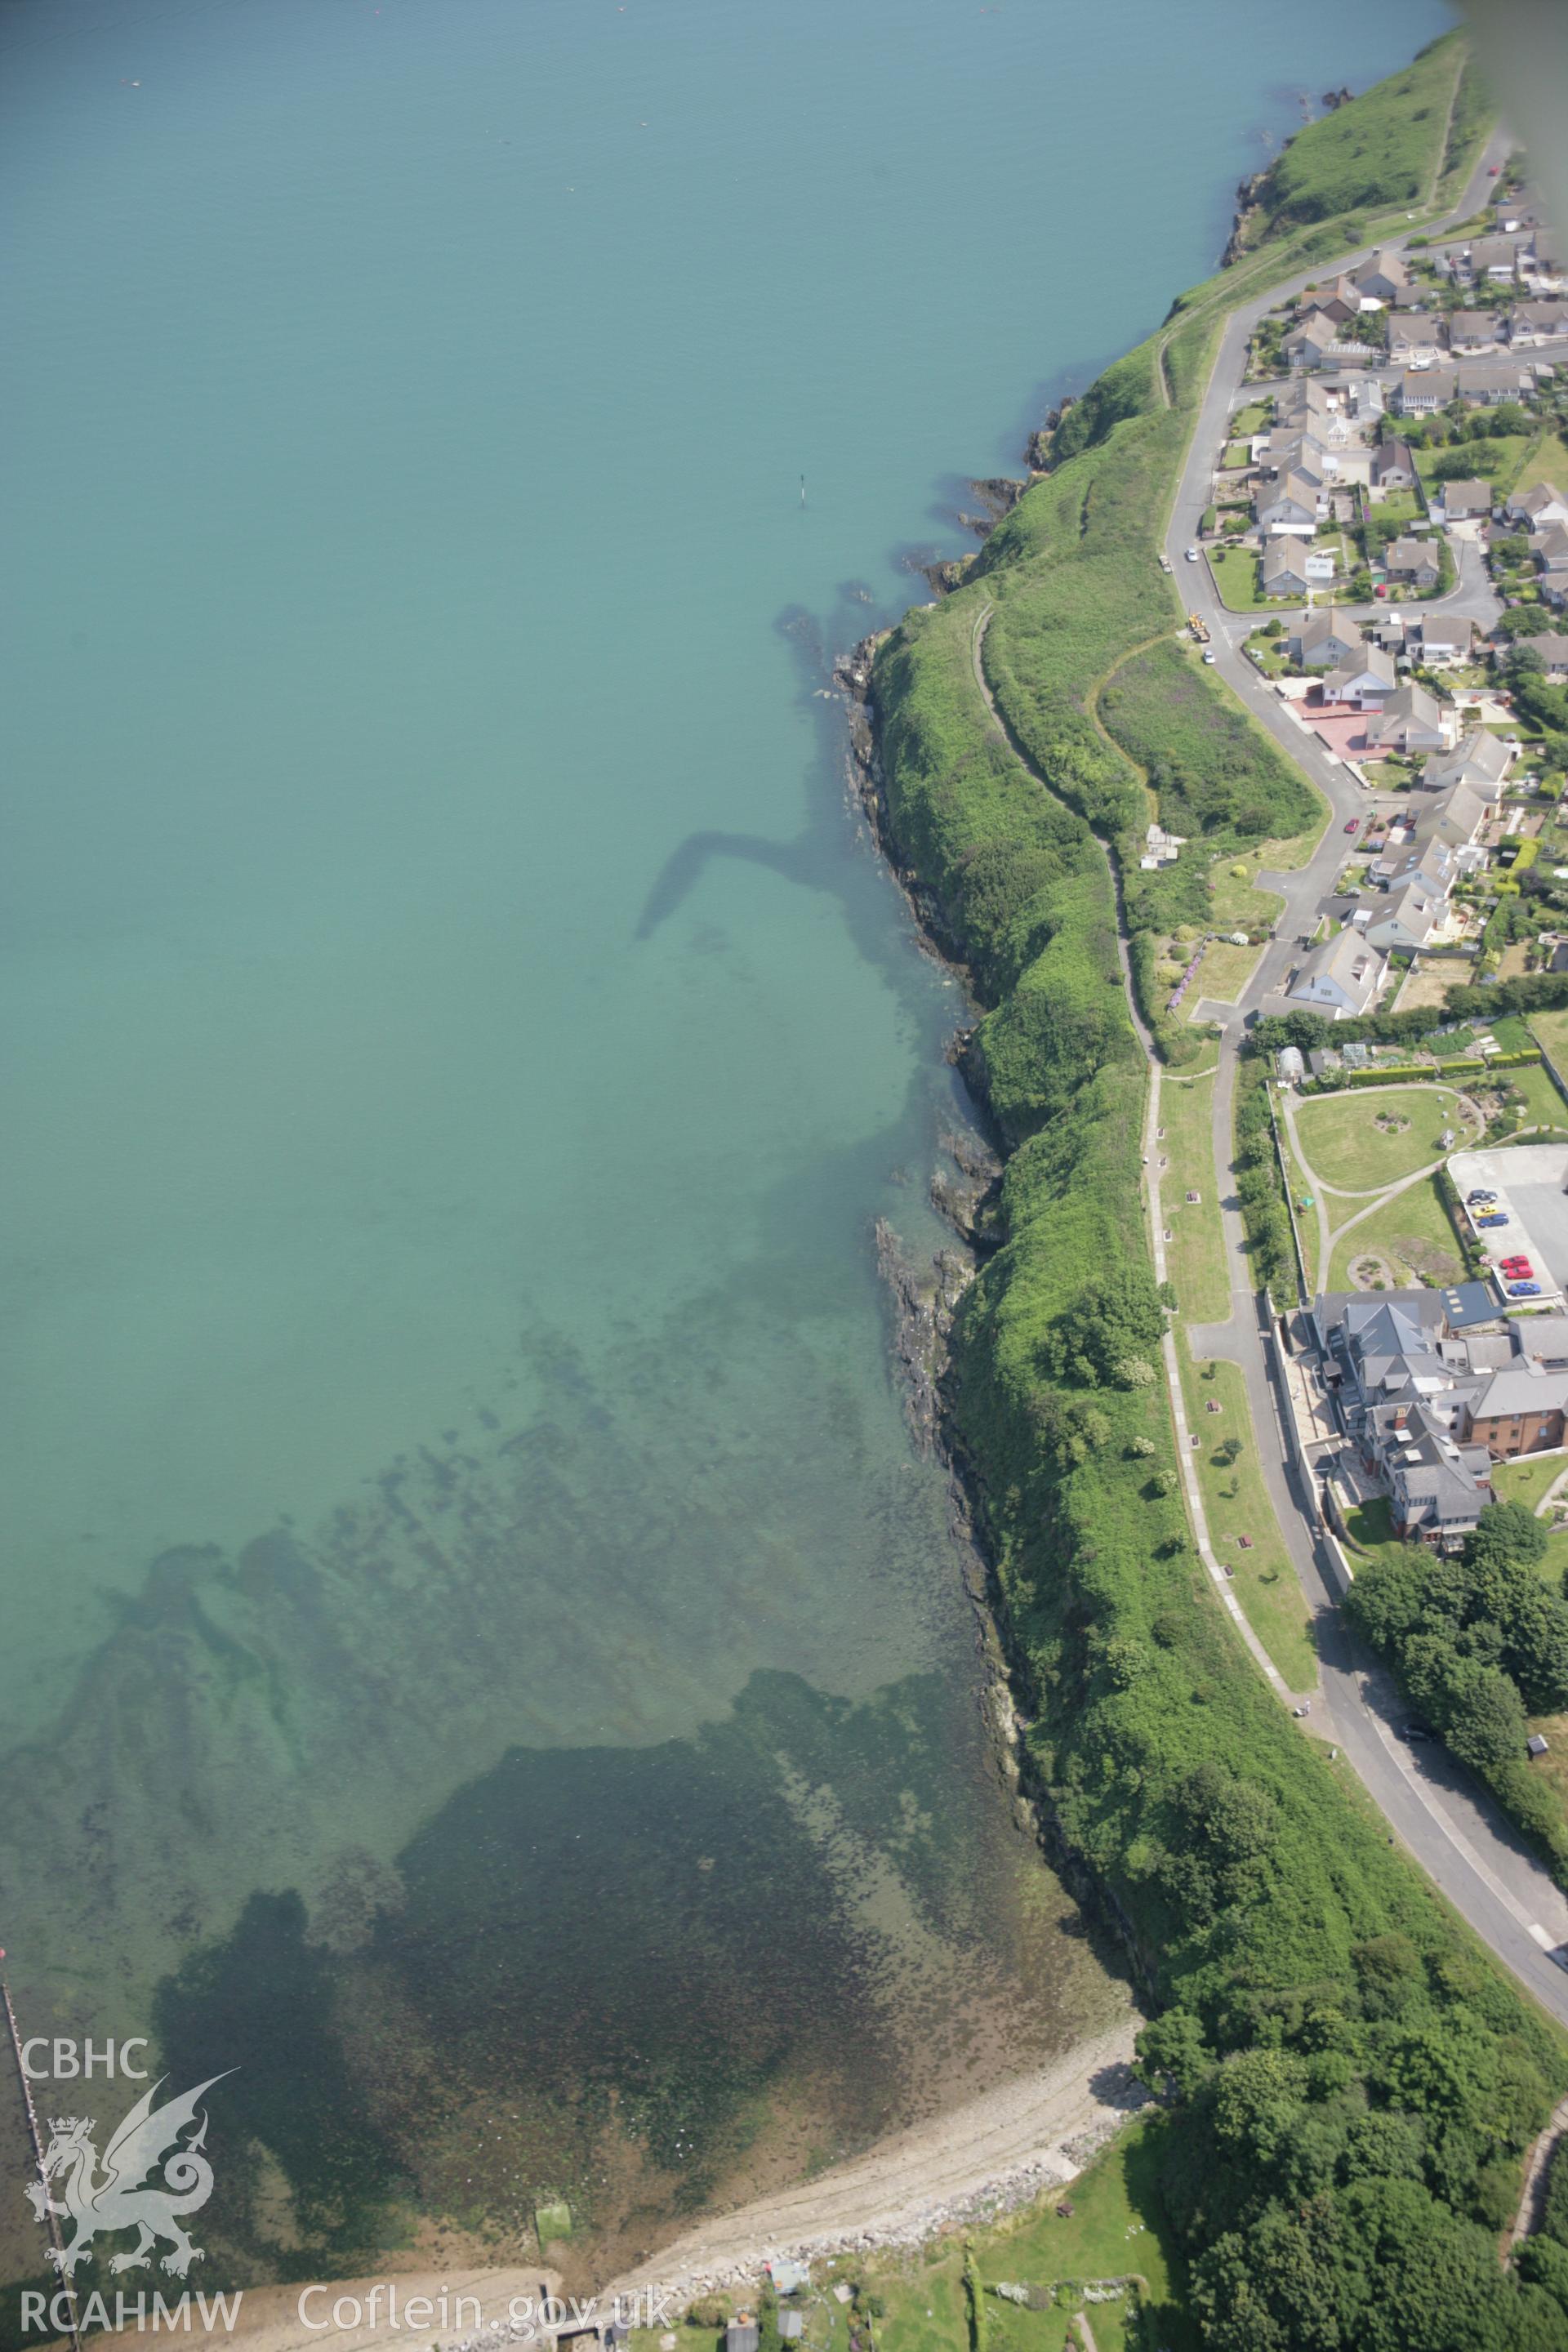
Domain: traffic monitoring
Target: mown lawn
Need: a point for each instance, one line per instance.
(1237, 1503)
(1352, 1144)
(1412, 1231)
(1238, 577)
(1194, 1255)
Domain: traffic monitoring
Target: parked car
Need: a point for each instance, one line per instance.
(1164, 563)
(1192, 555)
(1352, 824)
(1523, 1290)
(1517, 1267)
(1477, 1196)
(1492, 1217)
(1417, 1731)
(1210, 656)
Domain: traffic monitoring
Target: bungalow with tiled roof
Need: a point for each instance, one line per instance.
(1285, 562)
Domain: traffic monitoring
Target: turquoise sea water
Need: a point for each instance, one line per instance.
(457, 1042)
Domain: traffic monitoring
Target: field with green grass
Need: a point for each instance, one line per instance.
(1194, 1255)
(1412, 1232)
(1358, 1142)
(1236, 1504)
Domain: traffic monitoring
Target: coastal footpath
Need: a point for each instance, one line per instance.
(1353, 2083)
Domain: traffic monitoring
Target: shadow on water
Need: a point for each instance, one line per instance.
(594, 1972)
(823, 855)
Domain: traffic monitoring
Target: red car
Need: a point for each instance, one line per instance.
(1518, 1269)
(1354, 826)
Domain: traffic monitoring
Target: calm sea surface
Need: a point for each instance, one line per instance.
(481, 1655)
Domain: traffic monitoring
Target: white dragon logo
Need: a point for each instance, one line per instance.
(148, 2137)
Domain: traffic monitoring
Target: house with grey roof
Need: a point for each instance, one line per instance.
(1285, 562)
(1325, 640)
(1472, 332)
(1437, 1487)
(1442, 639)
(1464, 501)
(1479, 759)
(1341, 977)
(1295, 503)
(1493, 259)
(1392, 465)
(1310, 344)
(1486, 382)
(1406, 920)
(1415, 561)
(1415, 338)
(1421, 392)
(1554, 652)
(1542, 503)
(1383, 276)
(1549, 548)
(1364, 682)
(1411, 719)
(1536, 322)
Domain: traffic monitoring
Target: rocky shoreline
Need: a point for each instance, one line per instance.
(852, 674)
